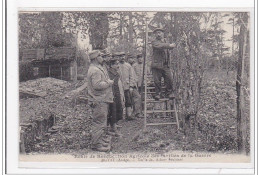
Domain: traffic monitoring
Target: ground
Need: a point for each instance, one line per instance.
(216, 130)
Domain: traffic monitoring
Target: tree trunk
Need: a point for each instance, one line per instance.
(98, 28)
(241, 121)
(233, 25)
(176, 26)
(121, 26)
(130, 32)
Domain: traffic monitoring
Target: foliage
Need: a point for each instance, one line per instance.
(25, 71)
(127, 31)
(40, 30)
(98, 30)
(92, 25)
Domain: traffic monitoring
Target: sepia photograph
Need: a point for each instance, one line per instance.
(135, 86)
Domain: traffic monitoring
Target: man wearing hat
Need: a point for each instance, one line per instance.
(161, 64)
(100, 96)
(138, 67)
(115, 108)
(128, 80)
(130, 59)
(136, 97)
(106, 55)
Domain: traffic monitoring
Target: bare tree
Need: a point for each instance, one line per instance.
(241, 119)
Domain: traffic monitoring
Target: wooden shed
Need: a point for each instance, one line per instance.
(57, 63)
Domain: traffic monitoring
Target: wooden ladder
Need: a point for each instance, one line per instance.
(170, 109)
(170, 105)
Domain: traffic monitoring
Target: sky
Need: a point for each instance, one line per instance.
(229, 32)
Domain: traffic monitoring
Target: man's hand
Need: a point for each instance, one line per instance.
(131, 89)
(172, 45)
(110, 82)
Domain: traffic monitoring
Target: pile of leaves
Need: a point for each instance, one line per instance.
(44, 86)
(72, 120)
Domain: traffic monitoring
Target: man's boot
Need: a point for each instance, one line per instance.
(169, 94)
(118, 126)
(102, 149)
(115, 130)
(99, 147)
(105, 144)
(110, 133)
(128, 114)
(157, 97)
(107, 138)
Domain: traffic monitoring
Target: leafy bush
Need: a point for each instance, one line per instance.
(25, 71)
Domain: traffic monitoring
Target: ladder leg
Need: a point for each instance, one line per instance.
(167, 106)
(176, 114)
(164, 114)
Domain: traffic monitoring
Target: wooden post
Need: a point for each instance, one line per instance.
(76, 71)
(233, 33)
(61, 72)
(49, 70)
(241, 121)
(176, 113)
(145, 75)
(71, 72)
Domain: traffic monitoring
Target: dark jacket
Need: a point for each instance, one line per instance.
(161, 55)
(116, 112)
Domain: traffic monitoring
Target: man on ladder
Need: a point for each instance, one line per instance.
(161, 65)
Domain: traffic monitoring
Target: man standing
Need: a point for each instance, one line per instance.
(100, 96)
(161, 64)
(137, 103)
(128, 81)
(138, 67)
(106, 55)
(115, 108)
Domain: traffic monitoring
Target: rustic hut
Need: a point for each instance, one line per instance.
(57, 63)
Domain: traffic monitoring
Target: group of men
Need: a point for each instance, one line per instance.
(115, 82)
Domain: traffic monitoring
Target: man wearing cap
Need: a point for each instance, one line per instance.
(136, 97)
(100, 96)
(138, 67)
(128, 81)
(106, 55)
(115, 108)
(161, 64)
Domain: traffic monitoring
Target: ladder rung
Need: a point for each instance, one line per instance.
(159, 111)
(156, 124)
(150, 92)
(151, 87)
(160, 100)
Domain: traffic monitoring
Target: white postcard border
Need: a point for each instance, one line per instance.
(12, 73)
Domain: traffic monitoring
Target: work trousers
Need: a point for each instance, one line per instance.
(115, 113)
(140, 89)
(137, 103)
(99, 123)
(168, 79)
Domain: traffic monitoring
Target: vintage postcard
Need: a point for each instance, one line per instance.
(170, 87)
